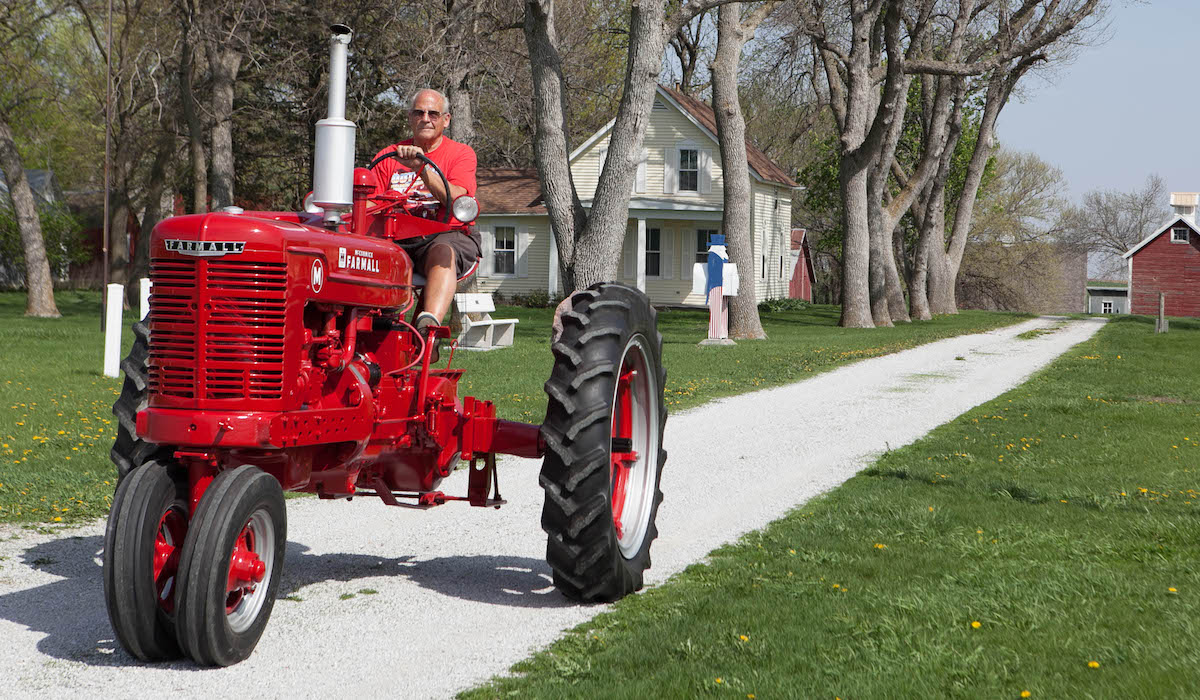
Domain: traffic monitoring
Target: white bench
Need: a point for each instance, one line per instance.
(488, 333)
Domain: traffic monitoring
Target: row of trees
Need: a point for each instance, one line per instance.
(888, 106)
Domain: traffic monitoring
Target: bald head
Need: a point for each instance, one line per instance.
(444, 103)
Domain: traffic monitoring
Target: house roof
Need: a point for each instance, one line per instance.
(798, 236)
(1171, 223)
(42, 183)
(703, 114)
(508, 191)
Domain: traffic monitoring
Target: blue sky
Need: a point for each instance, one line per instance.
(1121, 110)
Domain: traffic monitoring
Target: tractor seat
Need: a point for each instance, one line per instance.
(418, 279)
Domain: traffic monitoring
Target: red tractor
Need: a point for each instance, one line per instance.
(277, 357)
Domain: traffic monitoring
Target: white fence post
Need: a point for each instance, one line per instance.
(112, 330)
(145, 292)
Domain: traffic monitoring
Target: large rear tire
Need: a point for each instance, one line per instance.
(603, 433)
(146, 529)
(231, 565)
(130, 452)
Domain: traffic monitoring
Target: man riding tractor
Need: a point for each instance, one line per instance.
(446, 257)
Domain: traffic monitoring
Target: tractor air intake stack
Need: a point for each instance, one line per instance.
(333, 164)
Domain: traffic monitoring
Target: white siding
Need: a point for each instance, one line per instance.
(771, 233)
(535, 230)
(666, 129)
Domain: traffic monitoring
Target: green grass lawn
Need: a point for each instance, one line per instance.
(1044, 542)
(55, 405)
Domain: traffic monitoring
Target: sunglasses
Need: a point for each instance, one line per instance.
(418, 113)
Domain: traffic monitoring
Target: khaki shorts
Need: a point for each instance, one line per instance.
(465, 244)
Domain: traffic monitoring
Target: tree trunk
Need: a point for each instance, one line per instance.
(597, 250)
(159, 202)
(118, 229)
(856, 246)
(589, 244)
(550, 146)
(462, 123)
(195, 129)
(39, 284)
(880, 250)
(731, 133)
(224, 62)
(464, 29)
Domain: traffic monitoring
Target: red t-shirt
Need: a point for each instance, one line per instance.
(457, 161)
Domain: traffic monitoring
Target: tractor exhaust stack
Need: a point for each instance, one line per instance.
(333, 162)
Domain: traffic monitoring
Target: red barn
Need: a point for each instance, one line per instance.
(1168, 261)
(800, 286)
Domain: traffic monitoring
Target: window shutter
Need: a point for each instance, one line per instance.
(630, 254)
(705, 171)
(639, 182)
(667, 250)
(687, 256)
(485, 265)
(671, 171)
(522, 250)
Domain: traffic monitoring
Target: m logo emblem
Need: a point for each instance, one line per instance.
(318, 275)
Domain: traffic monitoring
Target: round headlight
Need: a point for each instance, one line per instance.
(465, 208)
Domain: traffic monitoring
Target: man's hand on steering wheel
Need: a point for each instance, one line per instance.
(414, 158)
(408, 155)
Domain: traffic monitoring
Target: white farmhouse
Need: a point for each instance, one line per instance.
(676, 205)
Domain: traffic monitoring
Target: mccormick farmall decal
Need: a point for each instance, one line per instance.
(204, 249)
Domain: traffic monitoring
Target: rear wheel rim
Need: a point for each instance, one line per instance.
(633, 453)
(251, 563)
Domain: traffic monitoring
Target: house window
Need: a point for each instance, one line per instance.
(653, 252)
(702, 237)
(504, 251)
(689, 170)
(1106, 307)
(1179, 235)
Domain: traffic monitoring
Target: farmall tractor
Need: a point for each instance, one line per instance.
(277, 357)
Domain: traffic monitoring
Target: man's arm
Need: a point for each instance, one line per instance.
(432, 180)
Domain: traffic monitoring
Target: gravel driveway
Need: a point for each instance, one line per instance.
(399, 603)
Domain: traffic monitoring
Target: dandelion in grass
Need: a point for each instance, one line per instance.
(744, 638)
(720, 681)
(1172, 590)
(930, 509)
(1025, 693)
(1093, 664)
(879, 545)
(976, 624)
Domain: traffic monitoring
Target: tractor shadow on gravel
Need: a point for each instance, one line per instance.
(70, 610)
(521, 582)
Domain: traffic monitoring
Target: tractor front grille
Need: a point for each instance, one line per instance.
(243, 339)
(217, 329)
(173, 308)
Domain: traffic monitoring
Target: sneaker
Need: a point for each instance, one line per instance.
(426, 321)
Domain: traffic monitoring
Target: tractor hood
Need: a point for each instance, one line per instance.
(322, 265)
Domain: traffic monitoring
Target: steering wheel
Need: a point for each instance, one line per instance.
(392, 154)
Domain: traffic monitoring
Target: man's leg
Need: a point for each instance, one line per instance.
(440, 279)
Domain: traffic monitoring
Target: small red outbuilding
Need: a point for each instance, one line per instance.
(800, 286)
(1168, 261)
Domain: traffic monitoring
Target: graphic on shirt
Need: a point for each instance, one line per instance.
(421, 201)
